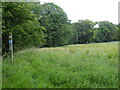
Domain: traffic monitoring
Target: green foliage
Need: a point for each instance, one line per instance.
(106, 32)
(35, 24)
(55, 20)
(73, 66)
(85, 30)
(72, 34)
(29, 34)
(26, 29)
(118, 27)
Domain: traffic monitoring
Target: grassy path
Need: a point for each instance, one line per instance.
(72, 66)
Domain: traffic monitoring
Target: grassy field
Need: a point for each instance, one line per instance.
(73, 66)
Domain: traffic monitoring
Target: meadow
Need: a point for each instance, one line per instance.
(92, 65)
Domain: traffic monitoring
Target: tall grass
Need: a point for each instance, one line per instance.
(72, 66)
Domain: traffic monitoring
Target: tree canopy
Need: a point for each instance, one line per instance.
(26, 29)
(36, 24)
(55, 20)
(84, 30)
(106, 32)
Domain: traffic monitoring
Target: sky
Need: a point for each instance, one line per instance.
(95, 10)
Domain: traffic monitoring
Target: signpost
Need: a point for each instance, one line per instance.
(11, 47)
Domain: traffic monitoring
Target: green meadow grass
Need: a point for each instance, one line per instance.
(92, 65)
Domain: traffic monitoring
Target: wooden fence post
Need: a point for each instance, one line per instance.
(11, 47)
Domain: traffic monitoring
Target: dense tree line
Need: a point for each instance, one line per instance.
(19, 20)
(35, 24)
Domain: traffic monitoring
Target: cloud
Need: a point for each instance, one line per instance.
(96, 10)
